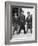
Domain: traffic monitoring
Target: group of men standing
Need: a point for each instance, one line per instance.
(20, 22)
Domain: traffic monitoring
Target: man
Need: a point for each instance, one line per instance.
(29, 22)
(22, 24)
(14, 19)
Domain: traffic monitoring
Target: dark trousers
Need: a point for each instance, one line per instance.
(22, 27)
(29, 27)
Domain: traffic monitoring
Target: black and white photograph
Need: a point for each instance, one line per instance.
(20, 22)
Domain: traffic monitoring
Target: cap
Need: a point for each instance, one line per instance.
(28, 12)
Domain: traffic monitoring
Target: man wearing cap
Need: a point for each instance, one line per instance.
(29, 22)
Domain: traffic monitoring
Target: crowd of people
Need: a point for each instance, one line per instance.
(19, 22)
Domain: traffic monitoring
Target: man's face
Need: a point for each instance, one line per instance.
(29, 14)
(22, 13)
(15, 15)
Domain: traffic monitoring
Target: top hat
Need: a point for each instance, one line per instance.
(21, 10)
